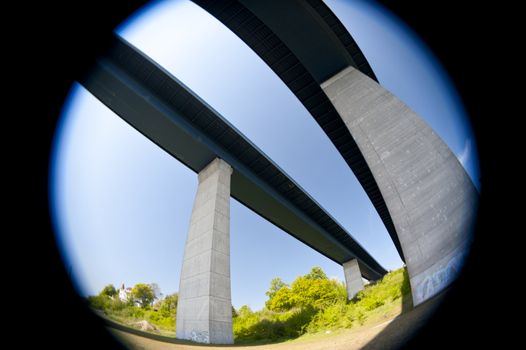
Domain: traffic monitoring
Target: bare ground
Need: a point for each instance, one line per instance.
(344, 340)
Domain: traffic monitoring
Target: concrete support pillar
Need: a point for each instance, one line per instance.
(430, 197)
(204, 310)
(353, 278)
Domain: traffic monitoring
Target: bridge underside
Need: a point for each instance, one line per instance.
(277, 35)
(168, 113)
(420, 190)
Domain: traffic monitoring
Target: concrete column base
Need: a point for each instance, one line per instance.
(204, 310)
(353, 278)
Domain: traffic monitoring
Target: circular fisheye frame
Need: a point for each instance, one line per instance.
(222, 147)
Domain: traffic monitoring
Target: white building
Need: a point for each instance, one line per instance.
(124, 292)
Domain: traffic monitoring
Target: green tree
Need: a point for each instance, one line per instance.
(275, 285)
(316, 273)
(99, 302)
(316, 292)
(313, 290)
(244, 311)
(109, 291)
(168, 306)
(283, 300)
(143, 294)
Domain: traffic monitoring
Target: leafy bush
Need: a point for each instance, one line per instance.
(312, 290)
(109, 291)
(282, 300)
(99, 302)
(371, 303)
(162, 314)
(330, 318)
(314, 303)
(168, 306)
(270, 325)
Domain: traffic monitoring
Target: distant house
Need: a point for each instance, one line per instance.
(124, 293)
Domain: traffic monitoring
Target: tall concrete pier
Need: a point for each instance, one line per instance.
(418, 187)
(204, 310)
(430, 197)
(353, 278)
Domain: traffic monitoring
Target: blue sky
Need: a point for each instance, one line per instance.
(122, 206)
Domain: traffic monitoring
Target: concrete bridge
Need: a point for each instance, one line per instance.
(228, 164)
(422, 193)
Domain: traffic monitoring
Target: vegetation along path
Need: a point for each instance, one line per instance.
(312, 312)
(387, 334)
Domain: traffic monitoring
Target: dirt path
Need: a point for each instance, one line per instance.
(342, 340)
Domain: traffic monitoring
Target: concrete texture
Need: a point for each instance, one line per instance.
(353, 278)
(204, 310)
(430, 197)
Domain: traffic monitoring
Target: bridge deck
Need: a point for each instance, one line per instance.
(171, 115)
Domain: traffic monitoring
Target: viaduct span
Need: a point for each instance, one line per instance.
(422, 193)
(420, 190)
(172, 116)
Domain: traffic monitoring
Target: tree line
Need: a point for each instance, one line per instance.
(309, 304)
(143, 302)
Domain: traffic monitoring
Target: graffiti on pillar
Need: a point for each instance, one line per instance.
(200, 337)
(439, 280)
